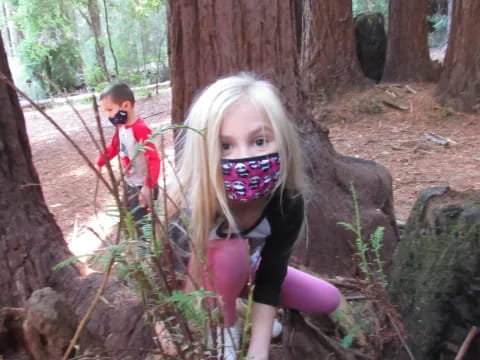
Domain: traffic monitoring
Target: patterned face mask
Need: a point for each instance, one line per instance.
(119, 118)
(250, 178)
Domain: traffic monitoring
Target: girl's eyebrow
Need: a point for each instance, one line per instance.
(226, 137)
(262, 130)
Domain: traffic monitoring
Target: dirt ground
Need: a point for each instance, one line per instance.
(361, 124)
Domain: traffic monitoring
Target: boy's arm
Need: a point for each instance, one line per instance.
(110, 152)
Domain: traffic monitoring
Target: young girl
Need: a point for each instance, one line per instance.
(241, 183)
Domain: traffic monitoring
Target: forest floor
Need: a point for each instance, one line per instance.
(361, 124)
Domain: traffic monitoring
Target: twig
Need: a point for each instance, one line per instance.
(466, 343)
(355, 297)
(400, 336)
(439, 140)
(155, 114)
(410, 90)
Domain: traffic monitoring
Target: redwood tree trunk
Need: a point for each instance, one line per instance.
(212, 38)
(31, 243)
(459, 85)
(328, 56)
(408, 58)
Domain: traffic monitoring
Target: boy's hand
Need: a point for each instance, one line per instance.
(145, 197)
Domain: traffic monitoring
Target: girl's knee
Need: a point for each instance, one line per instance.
(332, 298)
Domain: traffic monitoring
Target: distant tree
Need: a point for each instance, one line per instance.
(92, 17)
(459, 85)
(209, 39)
(408, 58)
(328, 61)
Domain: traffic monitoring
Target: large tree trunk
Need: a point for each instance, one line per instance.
(408, 58)
(208, 39)
(31, 243)
(328, 57)
(459, 85)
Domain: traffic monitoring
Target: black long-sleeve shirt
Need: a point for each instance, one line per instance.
(271, 241)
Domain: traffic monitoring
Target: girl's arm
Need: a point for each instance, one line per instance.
(262, 323)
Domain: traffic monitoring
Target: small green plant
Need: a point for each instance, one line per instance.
(363, 248)
(340, 317)
(186, 303)
(376, 244)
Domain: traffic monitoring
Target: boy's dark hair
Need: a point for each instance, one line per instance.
(118, 93)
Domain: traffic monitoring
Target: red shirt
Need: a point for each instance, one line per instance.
(140, 166)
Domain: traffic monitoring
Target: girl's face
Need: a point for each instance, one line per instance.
(246, 132)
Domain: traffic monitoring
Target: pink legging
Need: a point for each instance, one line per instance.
(229, 268)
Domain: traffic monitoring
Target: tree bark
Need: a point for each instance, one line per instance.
(408, 58)
(459, 85)
(209, 39)
(329, 61)
(31, 243)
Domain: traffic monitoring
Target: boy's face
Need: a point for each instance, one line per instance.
(111, 108)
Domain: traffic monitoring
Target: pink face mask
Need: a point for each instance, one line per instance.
(250, 178)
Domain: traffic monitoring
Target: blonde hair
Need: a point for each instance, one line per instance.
(199, 184)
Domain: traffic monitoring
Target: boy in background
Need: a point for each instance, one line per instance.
(140, 167)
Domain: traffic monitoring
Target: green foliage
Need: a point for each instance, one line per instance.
(340, 317)
(49, 49)
(376, 244)
(361, 6)
(59, 44)
(187, 304)
(132, 79)
(363, 248)
(438, 37)
(94, 75)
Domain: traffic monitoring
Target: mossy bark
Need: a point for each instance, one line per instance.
(436, 267)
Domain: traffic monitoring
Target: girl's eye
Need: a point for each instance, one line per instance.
(260, 142)
(225, 146)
